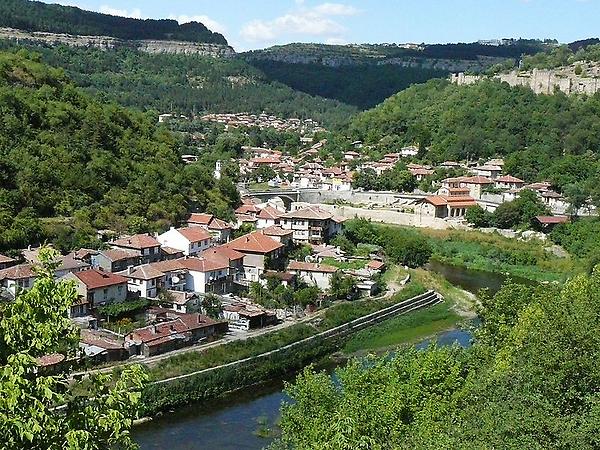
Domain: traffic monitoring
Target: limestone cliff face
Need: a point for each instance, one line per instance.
(107, 42)
(579, 78)
(450, 65)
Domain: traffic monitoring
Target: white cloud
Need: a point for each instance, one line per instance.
(318, 22)
(211, 24)
(134, 13)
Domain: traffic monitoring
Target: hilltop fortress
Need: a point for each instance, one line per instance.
(579, 78)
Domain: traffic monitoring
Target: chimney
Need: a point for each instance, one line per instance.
(129, 270)
(154, 329)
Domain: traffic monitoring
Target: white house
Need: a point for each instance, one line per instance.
(268, 217)
(145, 280)
(257, 250)
(190, 240)
(17, 278)
(311, 225)
(313, 273)
(509, 182)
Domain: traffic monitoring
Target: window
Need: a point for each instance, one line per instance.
(105, 293)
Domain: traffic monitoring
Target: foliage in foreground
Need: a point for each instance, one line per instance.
(529, 381)
(37, 324)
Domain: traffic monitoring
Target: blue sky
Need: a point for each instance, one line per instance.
(250, 24)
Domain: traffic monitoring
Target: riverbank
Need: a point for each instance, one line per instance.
(193, 377)
(457, 309)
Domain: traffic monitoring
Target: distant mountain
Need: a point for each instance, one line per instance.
(37, 16)
(364, 75)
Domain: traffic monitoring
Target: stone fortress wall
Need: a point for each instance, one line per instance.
(546, 81)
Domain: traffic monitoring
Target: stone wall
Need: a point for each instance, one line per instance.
(107, 42)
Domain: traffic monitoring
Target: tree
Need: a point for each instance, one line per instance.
(307, 296)
(212, 306)
(478, 217)
(36, 324)
(342, 287)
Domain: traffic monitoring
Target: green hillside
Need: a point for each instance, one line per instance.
(37, 16)
(185, 83)
(97, 165)
(541, 137)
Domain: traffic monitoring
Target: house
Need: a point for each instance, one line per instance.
(313, 273)
(287, 279)
(185, 302)
(268, 216)
(116, 259)
(17, 278)
(279, 234)
(547, 223)
(376, 266)
(509, 182)
(189, 240)
(311, 225)
(100, 347)
(6, 261)
(145, 244)
(242, 316)
(169, 253)
(421, 173)
(411, 150)
(474, 184)
(488, 171)
(444, 206)
(175, 330)
(206, 275)
(69, 263)
(350, 155)
(219, 229)
(145, 280)
(258, 250)
(98, 287)
(234, 258)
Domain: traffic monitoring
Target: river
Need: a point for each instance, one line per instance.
(231, 423)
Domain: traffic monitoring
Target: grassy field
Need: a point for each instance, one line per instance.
(409, 328)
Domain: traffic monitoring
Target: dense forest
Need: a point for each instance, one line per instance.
(87, 164)
(528, 382)
(363, 86)
(37, 16)
(186, 83)
(541, 137)
(563, 56)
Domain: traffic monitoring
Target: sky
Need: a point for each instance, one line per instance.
(253, 24)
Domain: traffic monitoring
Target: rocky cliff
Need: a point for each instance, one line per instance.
(107, 42)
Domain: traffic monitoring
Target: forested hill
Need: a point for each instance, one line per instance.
(185, 83)
(554, 137)
(87, 164)
(364, 75)
(37, 16)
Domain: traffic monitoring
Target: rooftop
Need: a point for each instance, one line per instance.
(255, 242)
(311, 267)
(137, 241)
(95, 278)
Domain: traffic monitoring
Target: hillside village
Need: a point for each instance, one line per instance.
(189, 285)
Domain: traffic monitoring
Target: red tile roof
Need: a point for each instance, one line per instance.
(310, 212)
(205, 264)
(218, 224)
(17, 272)
(255, 242)
(94, 278)
(173, 329)
(475, 180)
(6, 259)
(276, 230)
(509, 179)
(119, 254)
(137, 241)
(224, 252)
(269, 212)
(200, 219)
(375, 265)
(247, 208)
(552, 220)
(194, 234)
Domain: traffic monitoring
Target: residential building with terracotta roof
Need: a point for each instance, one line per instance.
(278, 233)
(474, 184)
(6, 261)
(491, 171)
(446, 206)
(190, 240)
(17, 278)
(268, 216)
(98, 287)
(116, 259)
(311, 225)
(145, 244)
(257, 249)
(219, 229)
(314, 274)
(171, 331)
(509, 182)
